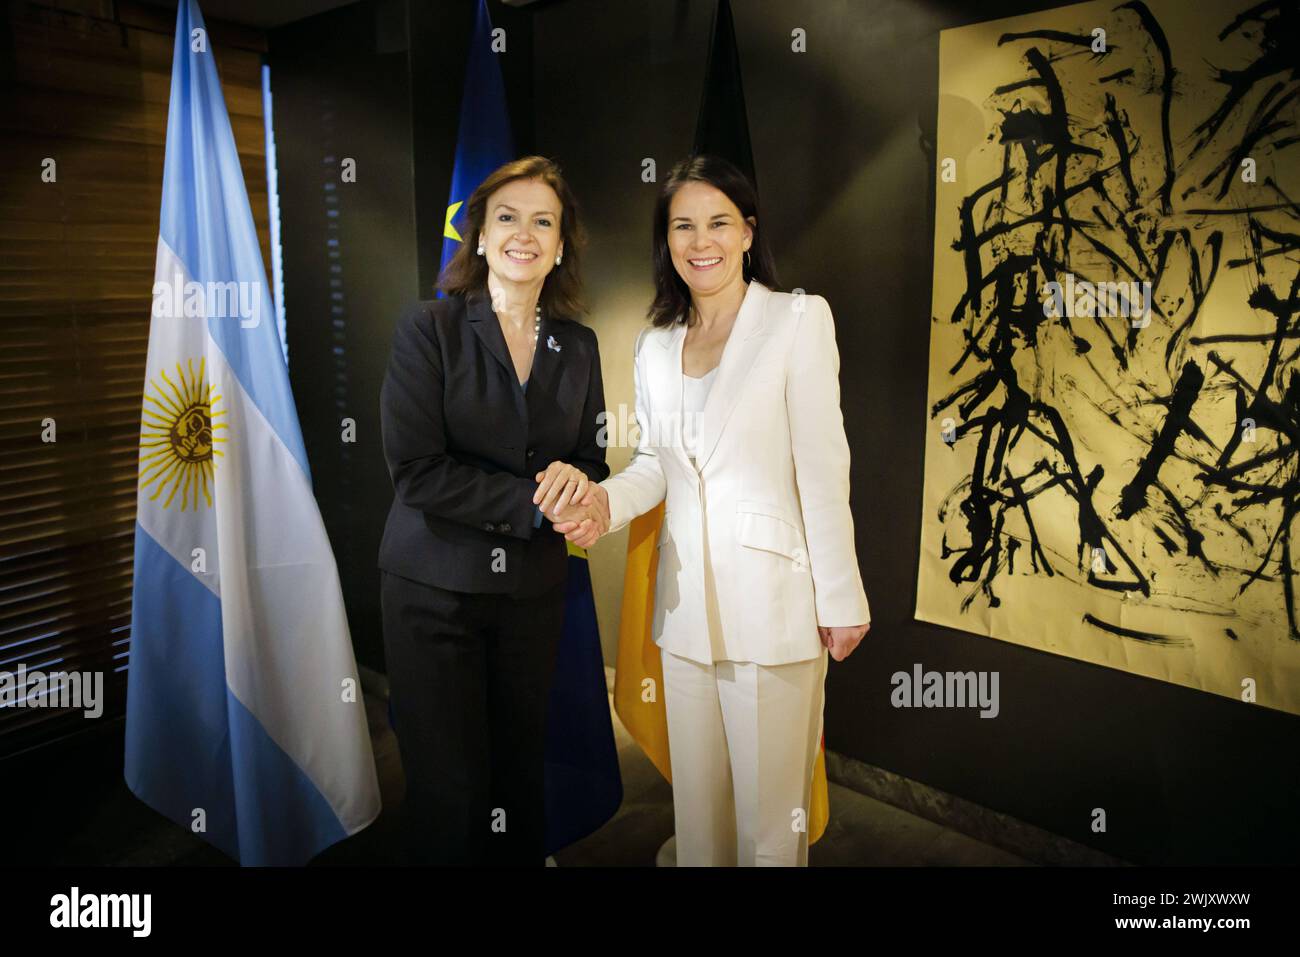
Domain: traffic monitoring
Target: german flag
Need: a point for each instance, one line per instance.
(639, 678)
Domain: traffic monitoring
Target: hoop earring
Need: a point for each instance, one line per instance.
(748, 264)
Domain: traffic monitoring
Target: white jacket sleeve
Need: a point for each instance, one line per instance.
(821, 461)
(641, 486)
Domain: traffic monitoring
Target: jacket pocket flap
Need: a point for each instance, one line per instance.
(767, 528)
(765, 508)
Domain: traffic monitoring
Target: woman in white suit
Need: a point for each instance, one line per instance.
(737, 398)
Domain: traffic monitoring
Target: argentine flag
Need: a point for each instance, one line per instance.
(245, 719)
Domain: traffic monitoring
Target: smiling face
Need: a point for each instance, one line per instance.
(521, 231)
(707, 237)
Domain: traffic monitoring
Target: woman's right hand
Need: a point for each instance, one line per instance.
(585, 526)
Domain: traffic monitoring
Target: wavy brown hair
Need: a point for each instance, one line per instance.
(467, 272)
(672, 302)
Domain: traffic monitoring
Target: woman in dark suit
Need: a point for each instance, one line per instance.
(487, 392)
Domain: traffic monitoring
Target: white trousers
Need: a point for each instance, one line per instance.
(742, 740)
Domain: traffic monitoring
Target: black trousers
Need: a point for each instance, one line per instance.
(470, 678)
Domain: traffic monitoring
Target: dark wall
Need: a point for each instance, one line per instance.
(340, 90)
(843, 141)
(378, 82)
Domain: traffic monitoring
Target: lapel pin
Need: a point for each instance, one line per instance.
(552, 344)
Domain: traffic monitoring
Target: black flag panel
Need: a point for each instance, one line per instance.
(723, 126)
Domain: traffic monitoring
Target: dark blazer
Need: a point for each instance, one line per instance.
(463, 442)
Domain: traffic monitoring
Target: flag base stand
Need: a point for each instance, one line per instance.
(667, 856)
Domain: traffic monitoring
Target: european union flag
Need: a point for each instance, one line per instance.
(483, 141)
(583, 784)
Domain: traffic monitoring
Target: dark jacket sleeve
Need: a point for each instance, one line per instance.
(424, 476)
(589, 457)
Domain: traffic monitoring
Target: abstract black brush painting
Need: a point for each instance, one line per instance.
(1113, 453)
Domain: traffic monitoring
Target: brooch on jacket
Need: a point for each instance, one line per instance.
(552, 344)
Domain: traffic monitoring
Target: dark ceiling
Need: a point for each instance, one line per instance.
(263, 14)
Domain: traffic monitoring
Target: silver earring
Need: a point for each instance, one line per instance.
(558, 258)
(480, 249)
(747, 262)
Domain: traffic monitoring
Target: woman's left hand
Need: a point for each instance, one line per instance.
(559, 485)
(841, 640)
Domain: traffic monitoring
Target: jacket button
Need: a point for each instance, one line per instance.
(531, 453)
(504, 528)
(489, 527)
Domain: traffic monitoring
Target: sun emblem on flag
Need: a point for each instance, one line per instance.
(179, 436)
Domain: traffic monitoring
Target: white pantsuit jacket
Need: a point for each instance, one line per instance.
(769, 489)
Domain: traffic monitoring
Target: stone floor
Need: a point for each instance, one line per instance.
(862, 830)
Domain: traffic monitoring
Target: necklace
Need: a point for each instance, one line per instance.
(537, 331)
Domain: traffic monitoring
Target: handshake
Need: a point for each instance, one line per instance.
(577, 507)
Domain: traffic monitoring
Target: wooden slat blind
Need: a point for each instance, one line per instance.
(87, 85)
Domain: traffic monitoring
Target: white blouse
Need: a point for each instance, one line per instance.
(695, 392)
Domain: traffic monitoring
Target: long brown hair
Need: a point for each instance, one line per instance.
(467, 272)
(672, 301)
